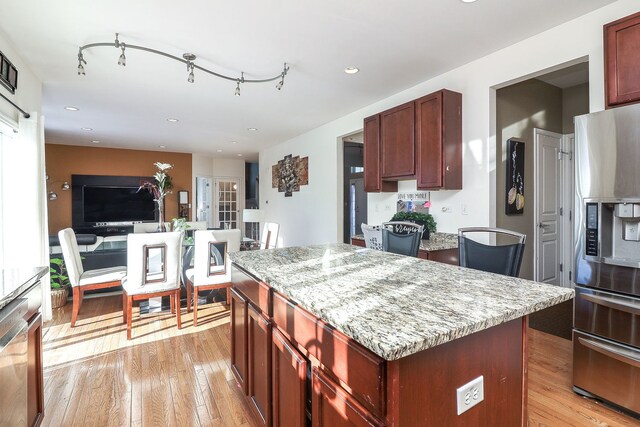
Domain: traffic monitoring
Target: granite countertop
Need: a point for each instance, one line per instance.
(15, 281)
(391, 304)
(437, 241)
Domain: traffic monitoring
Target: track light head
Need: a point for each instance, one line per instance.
(280, 84)
(238, 88)
(80, 62)
(53, 195)
(123, 59)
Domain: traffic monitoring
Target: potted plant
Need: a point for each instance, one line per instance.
(426, 220)
(160, 188)
(59, 283)
(180, 224)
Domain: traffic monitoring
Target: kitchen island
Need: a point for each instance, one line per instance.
(379, 339)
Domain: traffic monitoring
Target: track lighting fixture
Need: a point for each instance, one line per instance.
(187, 58)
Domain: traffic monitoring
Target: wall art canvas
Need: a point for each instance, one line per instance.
(289, 174)
(515, 177)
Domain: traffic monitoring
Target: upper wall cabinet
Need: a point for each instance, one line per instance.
(420, 140)
(372, 179)
(622, 61)
(439, 141)
(398, 141)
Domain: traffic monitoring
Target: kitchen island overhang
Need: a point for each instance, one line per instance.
(432, 328)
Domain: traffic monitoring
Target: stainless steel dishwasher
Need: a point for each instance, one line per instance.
(13, 364)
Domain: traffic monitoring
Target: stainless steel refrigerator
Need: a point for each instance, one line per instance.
(606, 334)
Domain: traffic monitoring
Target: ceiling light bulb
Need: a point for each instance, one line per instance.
(467, 1)
(252, 129)
(219, 150)
(95, 141)
(162, 146)
(172, 120)
(238, 89)
(123, 59)
(71, 108)
(190, 79)
(239, 155)
(86, 129)
(351, 70)
(234, 142)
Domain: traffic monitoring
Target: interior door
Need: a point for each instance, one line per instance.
(226, 206)
(203, 200)
(547, 204)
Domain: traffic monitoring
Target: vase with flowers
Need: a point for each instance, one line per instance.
(160, 188)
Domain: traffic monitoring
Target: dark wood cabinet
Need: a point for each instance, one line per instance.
(35, 385)
(239, 349)
(439, 141)
(372, 179)
(289, 383)
(259, 365)
(622, 61)
(332, 406)
(397, 141)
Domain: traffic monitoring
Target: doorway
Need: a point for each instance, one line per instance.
(227, 210)
(203, 200)
(553, 199)
(354, 196)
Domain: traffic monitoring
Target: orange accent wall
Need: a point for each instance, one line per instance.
(62, 161)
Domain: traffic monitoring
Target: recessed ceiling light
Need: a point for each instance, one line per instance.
(172, 120)
(234, 142)
(239, 155)
(95, 141)
(162, 146)
(219, 150)
(467, 1)
(71, 108)
(351, 70)
(87, 129)
(252, 129)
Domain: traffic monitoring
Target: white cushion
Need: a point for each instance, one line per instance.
(102, 275)
(148, 288)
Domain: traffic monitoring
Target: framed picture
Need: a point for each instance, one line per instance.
(514, 183)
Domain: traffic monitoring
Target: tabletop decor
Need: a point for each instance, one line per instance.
(289, 174)
(515, 177)
(160, 188)
(426, 220)
(59, 283)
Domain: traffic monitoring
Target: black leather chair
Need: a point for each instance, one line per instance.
(404, 242)
(501, 259)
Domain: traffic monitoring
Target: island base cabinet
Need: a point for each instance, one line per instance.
(259, 364)
(35, 389)
(289, 383)
(332, 406)
(239, 339)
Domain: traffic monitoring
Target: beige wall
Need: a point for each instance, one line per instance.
(62, 161)
(520, 108)
(575, 102)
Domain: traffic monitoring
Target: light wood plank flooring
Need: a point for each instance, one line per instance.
(166, 377)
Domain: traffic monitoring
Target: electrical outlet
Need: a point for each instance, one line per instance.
(470, 394)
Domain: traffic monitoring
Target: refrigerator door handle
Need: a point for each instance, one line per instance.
(613, 303)
(626, 356)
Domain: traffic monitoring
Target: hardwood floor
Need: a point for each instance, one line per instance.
(169, 377)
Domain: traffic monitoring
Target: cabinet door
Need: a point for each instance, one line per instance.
(259, 363)
(239, 338)
(289, 383)
(372, 178)
(35, 389)
(332, 406)
(397, 141)
(622, 61)
(439, 141)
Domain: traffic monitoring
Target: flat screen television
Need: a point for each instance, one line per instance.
(102, 200)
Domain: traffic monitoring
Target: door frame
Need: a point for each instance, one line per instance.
(565, 232)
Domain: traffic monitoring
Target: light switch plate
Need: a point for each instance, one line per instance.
(470, 394)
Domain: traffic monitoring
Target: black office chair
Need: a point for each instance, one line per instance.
(404, 242)
(500, 259)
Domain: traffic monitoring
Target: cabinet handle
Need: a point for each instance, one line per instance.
(626, 356)
(611, 303)
(447, 168)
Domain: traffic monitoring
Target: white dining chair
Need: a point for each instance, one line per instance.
(211, 265)
(269, 237)
(154, 262)
(80, 279)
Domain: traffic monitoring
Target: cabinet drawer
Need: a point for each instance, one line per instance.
(609, 315)
(607, 369)
(359, 370)
(258, 293)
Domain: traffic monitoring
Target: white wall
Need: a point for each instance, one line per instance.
(313, 215)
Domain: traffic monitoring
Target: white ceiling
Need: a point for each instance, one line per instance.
(567, 77)
(395, 44)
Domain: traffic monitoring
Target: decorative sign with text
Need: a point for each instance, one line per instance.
(417, 201)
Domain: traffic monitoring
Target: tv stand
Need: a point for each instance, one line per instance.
(105, 230)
